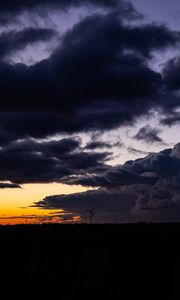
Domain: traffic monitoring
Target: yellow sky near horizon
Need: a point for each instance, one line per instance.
(17, 202)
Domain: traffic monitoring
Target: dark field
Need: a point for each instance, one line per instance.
(139, 261)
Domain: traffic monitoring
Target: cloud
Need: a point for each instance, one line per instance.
(144, 189)
(98, 78)
(29, 161)
(21, 5)
(97, 144)
(58, 217)
(5, 185)
(171, 74)
(64, 161)
(8, 11)
(97, 62)
(149, 135)
(111, 177)
(39, 124)
(172, 119)
(137, 151)
(11, 41)
(106, 62)
(104, 203)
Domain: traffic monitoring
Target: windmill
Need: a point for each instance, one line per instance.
(91, 214)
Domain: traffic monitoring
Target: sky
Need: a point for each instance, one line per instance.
(89, 111)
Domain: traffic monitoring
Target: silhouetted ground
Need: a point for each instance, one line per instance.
(130, 261)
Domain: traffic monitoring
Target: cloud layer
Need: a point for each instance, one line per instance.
(97, 78)
(98, 75)
(11, 41)
(34, 162)
(145, 189)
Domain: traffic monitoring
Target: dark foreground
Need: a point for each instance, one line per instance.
(90, 261)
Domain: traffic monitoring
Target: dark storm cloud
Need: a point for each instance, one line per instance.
(105, 63)
(104, 203)
(149, 135)
(109, 30)
(64, 161)
(111, 177)
(145, 171)
(39, 124)
(18, 5)
(95, 47)
(30, 161)
(52, 148)
(91, 58)
(170, 120)
(4, 185)
(5, 138)
(164, 164)
(19, 125)
(156, 200)
(97, 144)
(35, 124)
(98, 78)
(9, 9)
(86, 200)
(171, 73)
(11, 41)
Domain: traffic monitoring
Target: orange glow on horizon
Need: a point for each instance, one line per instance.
(15, 204)
(38, 220)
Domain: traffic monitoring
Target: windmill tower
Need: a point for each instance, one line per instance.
(91, 214)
